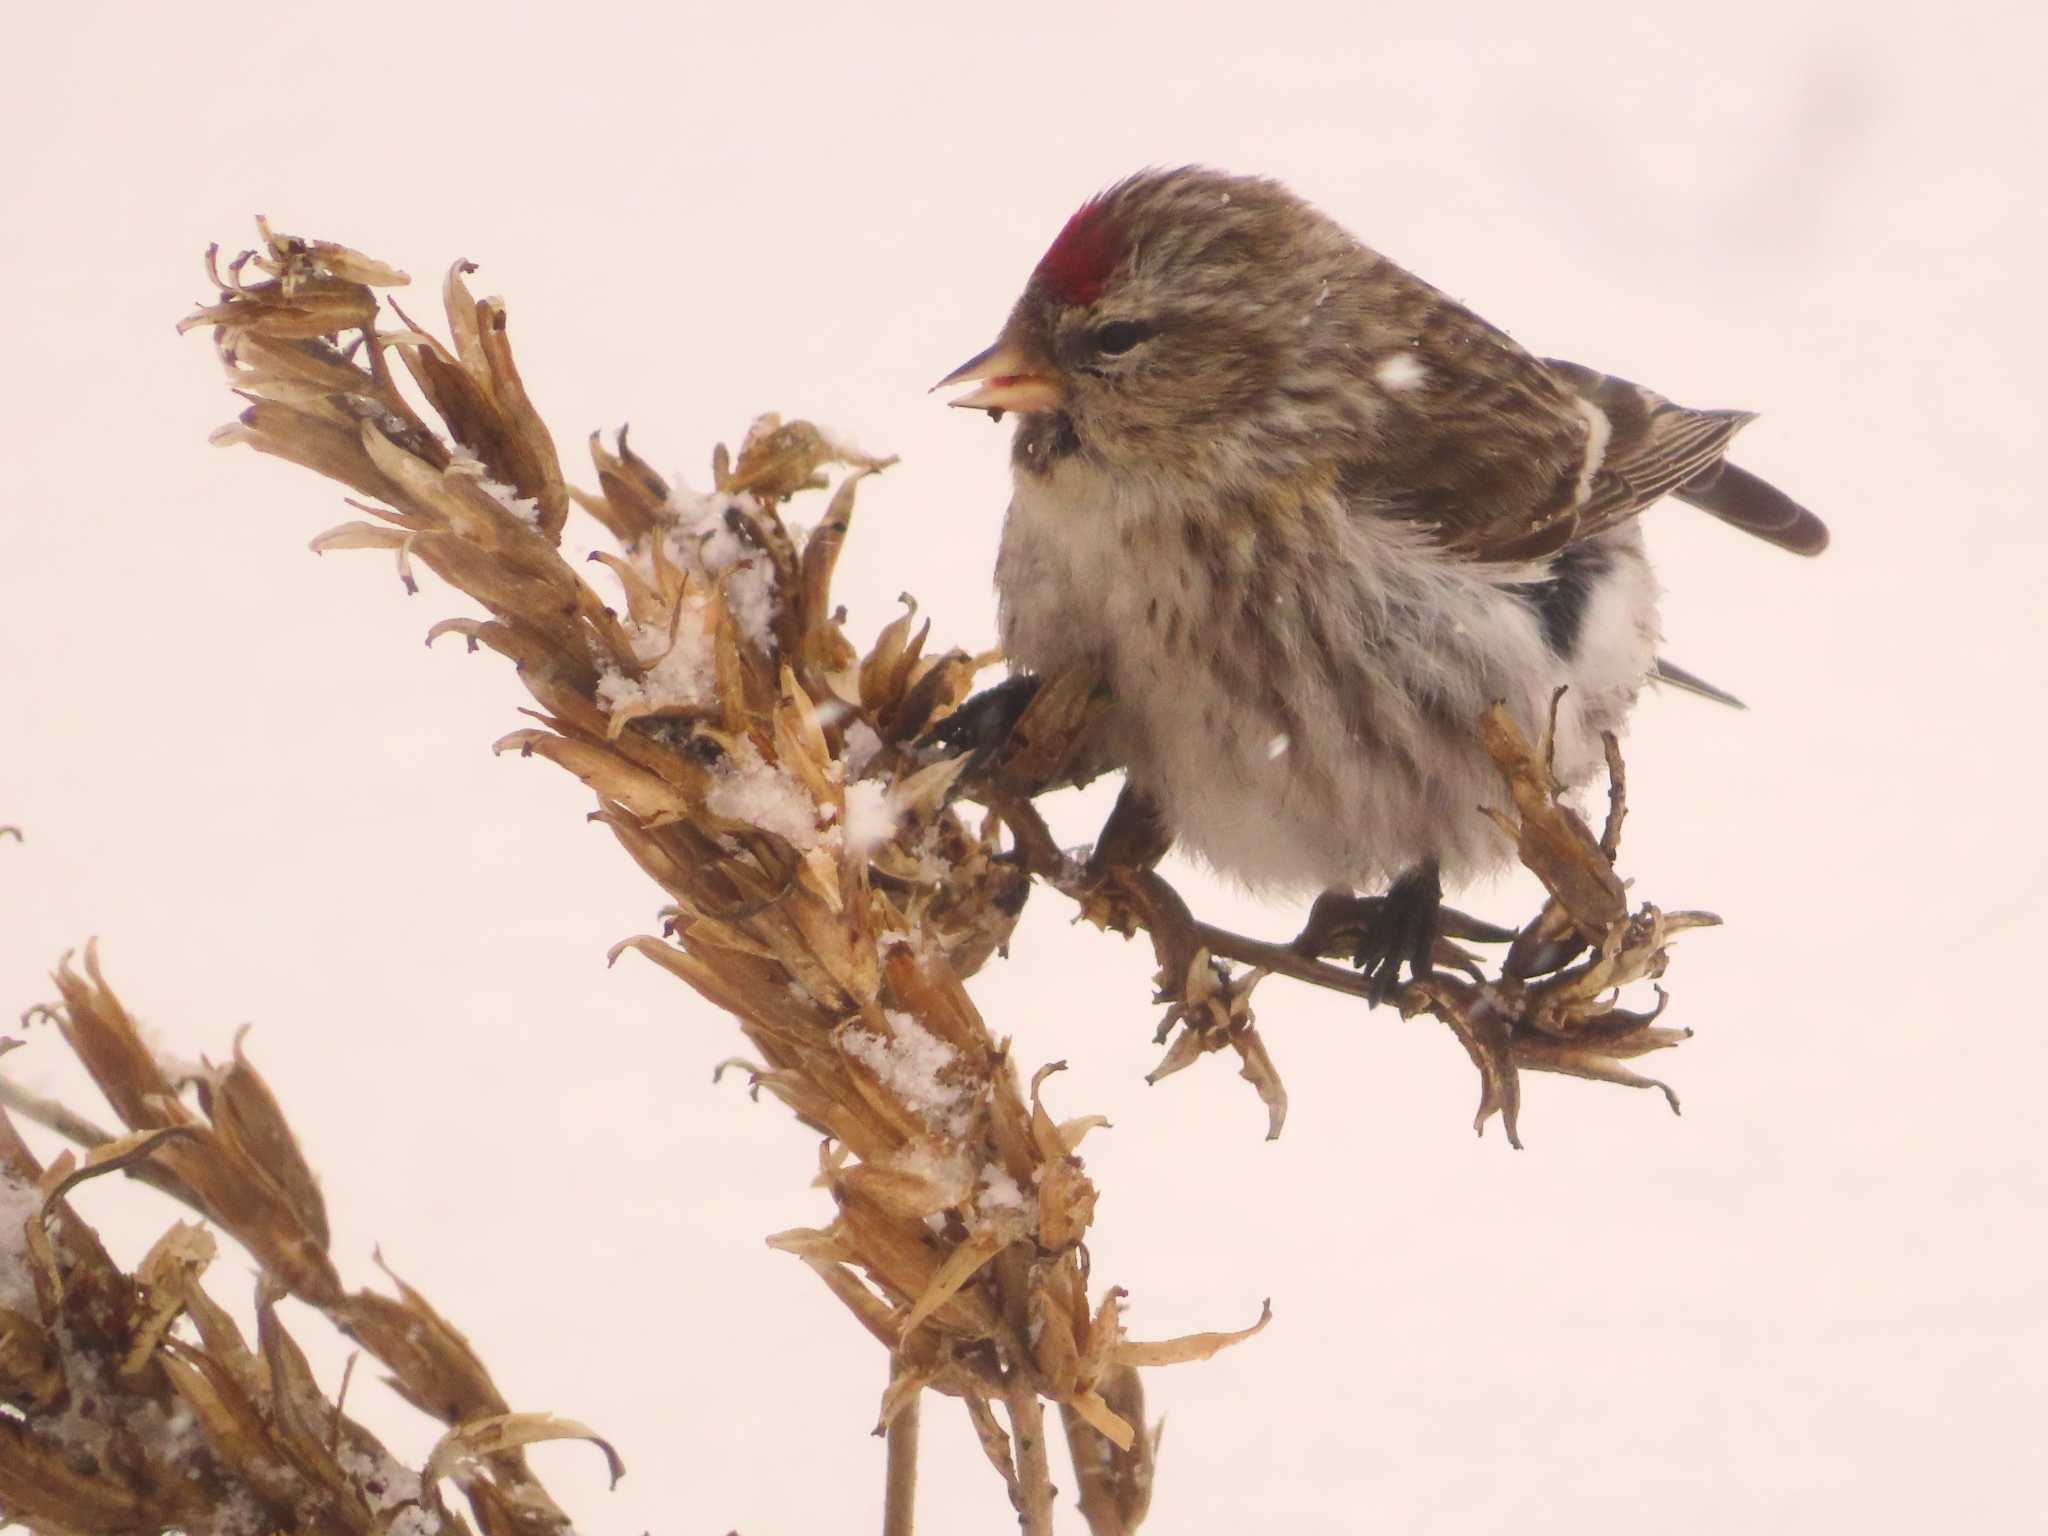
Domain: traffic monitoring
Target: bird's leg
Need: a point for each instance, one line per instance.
(983, 724)
(1136, 835)
(1401, 930)
(1117, 888)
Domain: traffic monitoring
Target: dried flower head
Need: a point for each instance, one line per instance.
(821, 887)
(138, 1403)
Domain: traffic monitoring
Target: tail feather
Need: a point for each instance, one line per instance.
(1677, 677)
(1755, 506)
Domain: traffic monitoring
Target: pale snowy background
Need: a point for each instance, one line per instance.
(1813, 1303)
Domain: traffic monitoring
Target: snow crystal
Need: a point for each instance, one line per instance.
(999, 1192)
(17, 1282)
(382, 1482)
(525, 508)
(944, 1171)
(467, 465)
(921, 1160)
(99, 1411)
(706, 540)
(763, 795)
(909, 1066)
(862, 747)
(1399, 372)
(932, 863)
(238, 1514)
(679, 676)
(172, 1433)
(871, 817)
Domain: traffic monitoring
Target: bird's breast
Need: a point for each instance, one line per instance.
(1301, 693)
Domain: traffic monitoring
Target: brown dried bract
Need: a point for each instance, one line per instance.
(126, 1422)
(762, 770)
(1564, 1020)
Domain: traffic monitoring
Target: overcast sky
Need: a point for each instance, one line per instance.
(1812, 1303)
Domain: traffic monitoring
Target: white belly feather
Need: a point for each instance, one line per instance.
(1309, 722)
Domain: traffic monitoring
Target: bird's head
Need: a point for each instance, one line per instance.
(1180, 320)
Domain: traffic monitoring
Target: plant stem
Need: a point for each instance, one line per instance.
(75, 1128)
(899, 1494)
(1034, 1472)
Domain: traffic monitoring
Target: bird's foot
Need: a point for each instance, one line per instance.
(1382, 934)
(983, 725)
(1402, 932)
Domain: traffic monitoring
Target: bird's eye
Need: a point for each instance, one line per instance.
(1119, 336)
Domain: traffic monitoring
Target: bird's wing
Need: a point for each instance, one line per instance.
(1656, 448)
(1652, 446)
(1507, 457)
(1481, 443)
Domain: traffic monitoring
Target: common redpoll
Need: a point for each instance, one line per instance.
(1307, 517)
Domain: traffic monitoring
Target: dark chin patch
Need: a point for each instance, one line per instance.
(1043, 440)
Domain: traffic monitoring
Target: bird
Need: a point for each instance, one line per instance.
(1306, 517)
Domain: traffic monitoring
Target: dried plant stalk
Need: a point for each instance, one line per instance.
(824, 888)
(139, 1405)
(763, 772)
(899, 1490)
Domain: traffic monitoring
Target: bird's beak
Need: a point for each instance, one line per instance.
(1011, 380)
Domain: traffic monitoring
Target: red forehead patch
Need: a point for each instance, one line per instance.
(1076, 267)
